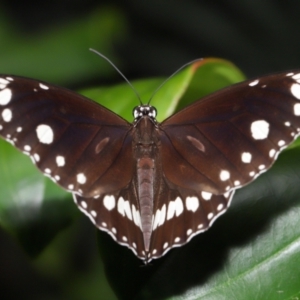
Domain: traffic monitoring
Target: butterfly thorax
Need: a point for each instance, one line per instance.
(146, 144)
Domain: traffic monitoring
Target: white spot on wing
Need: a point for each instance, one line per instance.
(177, 240)
(189, 231)
(156, 220)
(36, 157)
(295, 90)
(297, 77)
(27, 148)
(7, 115)
(83, 204)
(209, 216)
(60, 161)
(246, 157)
(136, 216)
(71, 186)
(5, 96)
(287, 124)
(281, 143)
(81, 178)
(4, 81)
(237, 182)
(175, 208)
(220, 207)
(93, 213)
(43, 86)
(192, 203)
(272, 152)
(260, 129)
(109, 202)
(206, 195)
(297, 109)
(224, 175)
(166, 244)
(45, 134)
(124, 208)
(19, 129)
(162, 215)
(178, 206)
(253, 83)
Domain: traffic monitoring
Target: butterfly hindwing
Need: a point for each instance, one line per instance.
(180, 214)
(117, 213)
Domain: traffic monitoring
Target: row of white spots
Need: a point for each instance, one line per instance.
(123, 207)
(160, 216)
(103, 225)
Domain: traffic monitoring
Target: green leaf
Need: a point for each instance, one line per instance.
(61, 54)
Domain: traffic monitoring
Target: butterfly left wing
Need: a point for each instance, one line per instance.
(78, 143)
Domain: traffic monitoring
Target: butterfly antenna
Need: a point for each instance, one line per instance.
(163, 83)
(115, 67)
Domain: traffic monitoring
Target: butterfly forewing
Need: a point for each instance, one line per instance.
(233, 135)
(76, 142)
(152, 186)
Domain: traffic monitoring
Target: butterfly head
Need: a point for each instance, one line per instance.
(143, 111)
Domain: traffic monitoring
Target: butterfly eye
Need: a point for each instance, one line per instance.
(136, 113)
(152, 112)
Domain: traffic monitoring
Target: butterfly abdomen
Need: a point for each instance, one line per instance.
(145, 153)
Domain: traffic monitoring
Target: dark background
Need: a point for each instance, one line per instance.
(47, 40)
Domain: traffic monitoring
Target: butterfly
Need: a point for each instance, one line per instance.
(152, 186)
